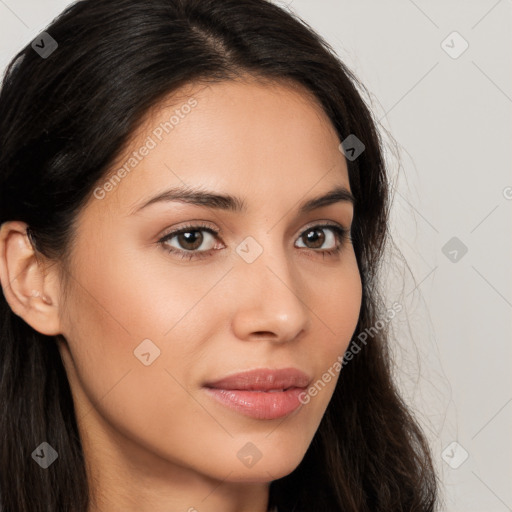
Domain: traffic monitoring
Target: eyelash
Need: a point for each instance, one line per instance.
(341, 233)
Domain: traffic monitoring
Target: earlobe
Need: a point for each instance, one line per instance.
(27, 287)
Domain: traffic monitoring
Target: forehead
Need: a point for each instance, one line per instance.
(253, 139)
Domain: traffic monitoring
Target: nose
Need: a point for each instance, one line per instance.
(269, 299)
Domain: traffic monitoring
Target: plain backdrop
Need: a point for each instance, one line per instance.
(439, 79)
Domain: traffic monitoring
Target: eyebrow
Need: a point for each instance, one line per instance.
(209, 199)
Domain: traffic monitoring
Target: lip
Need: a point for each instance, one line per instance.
(261, 393)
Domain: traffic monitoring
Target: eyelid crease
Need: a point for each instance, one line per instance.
(207, 227)
(341, 233)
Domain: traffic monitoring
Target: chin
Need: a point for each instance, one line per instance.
(265, 473)
(272, 466)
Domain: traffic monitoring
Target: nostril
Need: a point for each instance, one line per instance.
(265, 334)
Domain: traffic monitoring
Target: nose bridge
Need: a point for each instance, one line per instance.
(265, 261)
(270, 300)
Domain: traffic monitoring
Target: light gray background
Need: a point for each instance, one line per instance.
(451, 118)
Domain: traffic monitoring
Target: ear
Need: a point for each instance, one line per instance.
(30, 291)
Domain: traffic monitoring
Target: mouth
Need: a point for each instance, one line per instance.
(263, 394)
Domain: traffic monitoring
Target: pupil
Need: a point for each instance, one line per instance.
(188, 238)
(320, 239)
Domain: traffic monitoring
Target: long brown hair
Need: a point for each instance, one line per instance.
(64, 119)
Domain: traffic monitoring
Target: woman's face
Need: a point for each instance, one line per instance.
(248, 285)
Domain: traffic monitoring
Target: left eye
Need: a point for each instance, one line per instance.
(316, 235)
(190, 239)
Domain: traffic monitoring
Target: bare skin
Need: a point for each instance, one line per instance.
(153, 438)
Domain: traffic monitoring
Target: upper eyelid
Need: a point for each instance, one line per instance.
(325, 224)
(204, 225)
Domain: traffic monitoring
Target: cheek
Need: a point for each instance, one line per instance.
(107, 322)
(337, 304)
(124, 301)
(132, 327)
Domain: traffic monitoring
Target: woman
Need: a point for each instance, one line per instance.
(194, 206)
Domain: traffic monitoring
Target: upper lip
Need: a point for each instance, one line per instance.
(263, 380)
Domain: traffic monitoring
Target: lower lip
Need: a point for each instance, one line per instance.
(262, 405)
